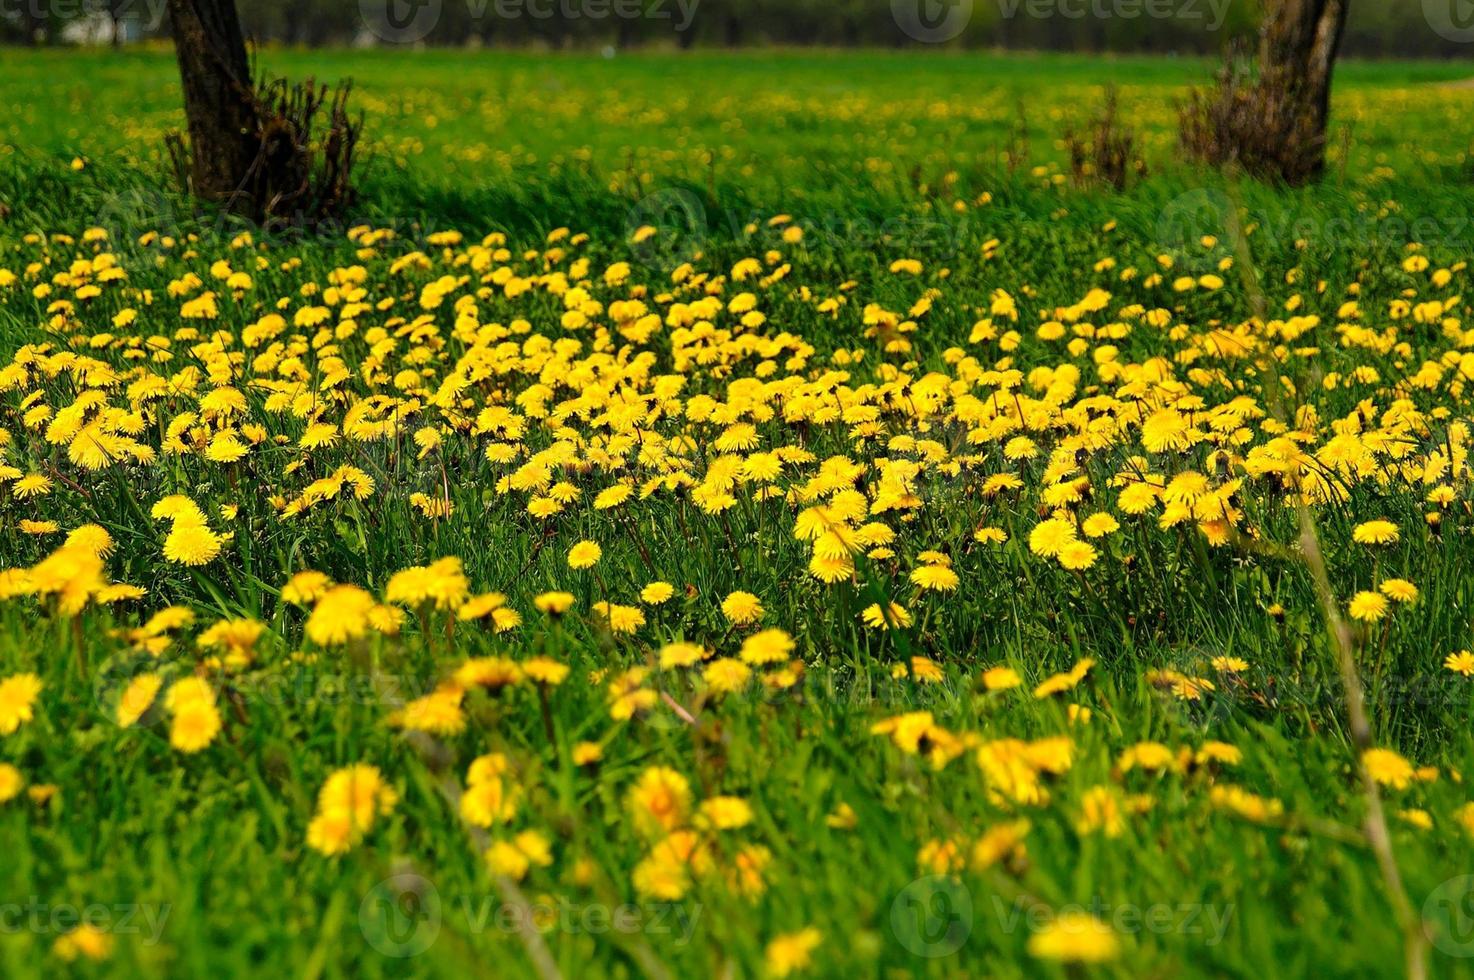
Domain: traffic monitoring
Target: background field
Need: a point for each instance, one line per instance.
(492, 137)
(879, 157)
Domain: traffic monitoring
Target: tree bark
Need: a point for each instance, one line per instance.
(36, 25)
(627, 34)
(218, 102)
(1300, 39)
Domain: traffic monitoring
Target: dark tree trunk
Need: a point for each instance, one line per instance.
(253, 148)
(1058, 34)
(218, 100)
(1301, 39)
(1273, 124)
(292, 25)
(35, 25)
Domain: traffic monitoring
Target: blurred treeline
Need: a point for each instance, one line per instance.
(1379, 28)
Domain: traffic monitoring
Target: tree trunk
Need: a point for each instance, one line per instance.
(1300, 40)
(626, 36)
(218, 101)
(35, 26)
(292, 25)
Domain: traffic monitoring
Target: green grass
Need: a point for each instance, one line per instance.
(871, 153)
(452, 130)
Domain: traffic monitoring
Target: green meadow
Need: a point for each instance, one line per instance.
(958, 605)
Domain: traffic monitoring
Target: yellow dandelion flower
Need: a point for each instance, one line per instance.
(792, 952)
(1399, 590)
(1388, 768)
(191, 544)
(18, 695)
(660, 801)
(934, 578)
(1001, 678)
(585, 554)
(1460, 663)
(553, 603)
(657, 593)
(1075, 937)
(742, 608)
(1376, 532)
(1368, 607)
(767, 647)
(340, 615)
